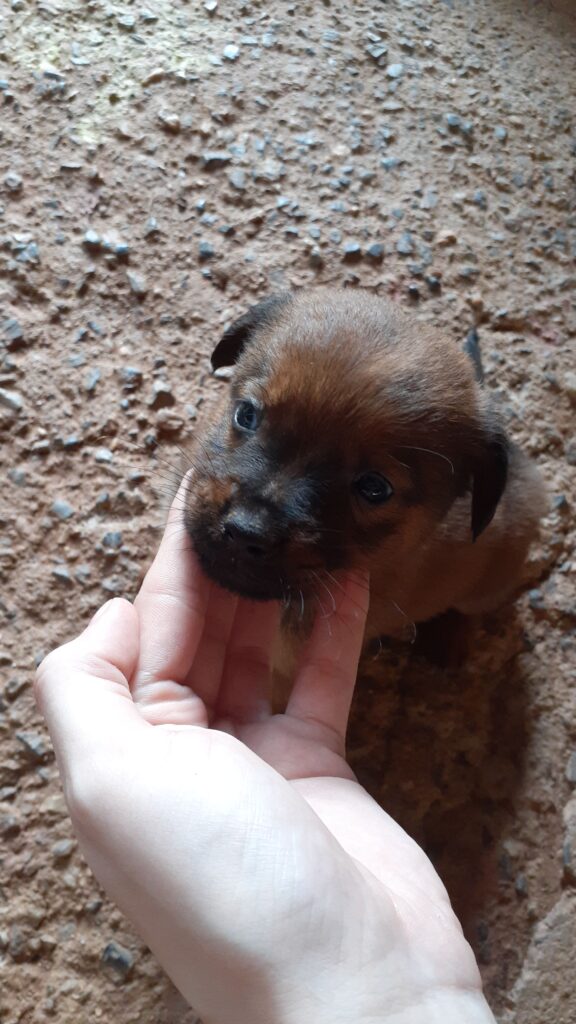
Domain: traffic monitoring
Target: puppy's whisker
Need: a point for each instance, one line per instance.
(326, 588)
(408, 620)
(415, 448)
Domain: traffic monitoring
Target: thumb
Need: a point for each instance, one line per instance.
(82, 687)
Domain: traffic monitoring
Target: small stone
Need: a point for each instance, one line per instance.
(413, 292)
(11, 400)
(63, 849)
(126, 22)
(162, 397)
(560, 503)
(375, 251)
(62, 510)
(571, 768)
(18, 477)
(9, 826)
(151, 227)
(536, 599)
(92, 239)
(13, 333)
(103, 455)
(480, 199)
(13, 182)
(237, 178)
(131, 378)
(210, 6)
(352, 251)
(138, 284)
(34, 745)
(500, 133)
(156, 75)
(405, 244)
(395, 70)
(118, 958)
(213, 159)
(205, 251)
(231, 52)
(168, 422)
(61, 575)
(91, 379)
(112, 540)
(377, 51)
(454, 122)
(169, 121)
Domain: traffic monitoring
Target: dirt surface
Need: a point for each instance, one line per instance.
(163, 165)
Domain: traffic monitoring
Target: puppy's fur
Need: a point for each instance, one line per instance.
(345, 385)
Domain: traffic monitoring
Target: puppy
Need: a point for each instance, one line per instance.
(355, 437)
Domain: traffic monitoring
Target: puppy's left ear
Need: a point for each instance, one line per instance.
(233, 341)
(489, 476)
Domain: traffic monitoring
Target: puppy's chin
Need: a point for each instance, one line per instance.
(240, 577)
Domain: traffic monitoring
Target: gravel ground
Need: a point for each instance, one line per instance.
(160, 168)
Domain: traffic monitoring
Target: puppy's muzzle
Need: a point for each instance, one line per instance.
(248, 533)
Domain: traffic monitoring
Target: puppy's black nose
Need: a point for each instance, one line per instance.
(248, 532)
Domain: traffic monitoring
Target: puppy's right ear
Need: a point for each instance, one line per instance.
(239, 333)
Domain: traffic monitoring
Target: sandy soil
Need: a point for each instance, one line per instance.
(163, 165)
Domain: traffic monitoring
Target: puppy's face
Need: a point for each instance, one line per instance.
(348, 435)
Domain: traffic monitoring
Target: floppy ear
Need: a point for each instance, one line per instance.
(238, 334)
(489, 475)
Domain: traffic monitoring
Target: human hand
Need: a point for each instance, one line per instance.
(269, 885)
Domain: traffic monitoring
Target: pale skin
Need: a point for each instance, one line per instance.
(269, 885)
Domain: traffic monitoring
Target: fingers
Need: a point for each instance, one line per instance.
(205, 677)
(171, 606)
(82, 688)
(244, 695)
(325, 680)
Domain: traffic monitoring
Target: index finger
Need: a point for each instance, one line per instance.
(171, 607)
(325, 681)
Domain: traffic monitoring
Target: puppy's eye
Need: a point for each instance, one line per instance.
(374, 487)
(247, 416)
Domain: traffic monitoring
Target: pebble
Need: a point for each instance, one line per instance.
(377, 51)
(375, 251)
(500, 133)
(131, 378)
(351, 251)
(168, 422)
(118, 958)
(151, 227)
(91, 379)
(103, 455)
(138, 284)
(112, 540)
(395, 70)
(206, 251)
(210, 6)
(35, 745)
(63, 849)
(231, 52)
(405, 244)
(92, 239)
(237, 178)
(13, 182)
(212, 159)
(169, 121)
(9, 826)
(13, 333)
(11, 400)
(126, 22)
(62, 510)
(156, 75)
(162, 396)
(61, 575)
(571, 768)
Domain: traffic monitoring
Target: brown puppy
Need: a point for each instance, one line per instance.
(356, 437)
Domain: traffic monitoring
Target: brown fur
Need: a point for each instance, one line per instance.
(349, 385)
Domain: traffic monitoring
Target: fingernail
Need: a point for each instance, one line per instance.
(102, 611)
